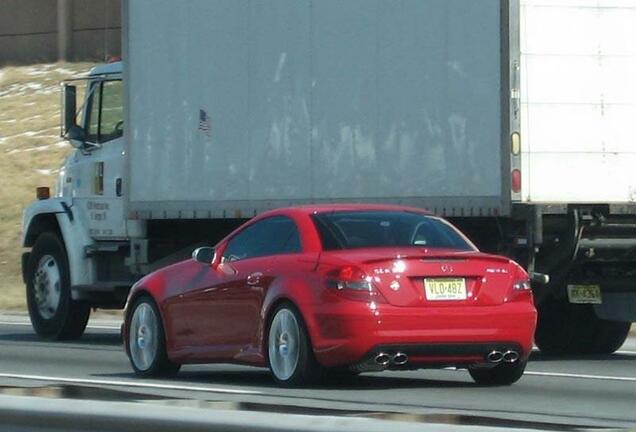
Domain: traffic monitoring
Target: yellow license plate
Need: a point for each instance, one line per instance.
(445, 289)
(585, 294)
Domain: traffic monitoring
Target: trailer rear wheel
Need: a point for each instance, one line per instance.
(565, 328)
(54, 314)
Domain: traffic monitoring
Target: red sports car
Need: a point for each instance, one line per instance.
(336, 288)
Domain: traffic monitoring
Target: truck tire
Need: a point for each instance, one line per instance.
(54, 314)
(565, 328)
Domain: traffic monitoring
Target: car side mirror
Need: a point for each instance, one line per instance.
(204, 255)
(76, 136)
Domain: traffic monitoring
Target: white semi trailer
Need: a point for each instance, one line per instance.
(512, 119)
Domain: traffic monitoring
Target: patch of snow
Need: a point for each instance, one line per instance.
(33, 71)
(64, 71)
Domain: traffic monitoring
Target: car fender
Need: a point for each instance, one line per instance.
(152, 285)
(297, 291)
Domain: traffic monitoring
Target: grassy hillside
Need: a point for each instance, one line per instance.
(31, 152)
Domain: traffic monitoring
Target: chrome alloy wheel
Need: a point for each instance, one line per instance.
(284, 346)
(142, 336)
(47, 284)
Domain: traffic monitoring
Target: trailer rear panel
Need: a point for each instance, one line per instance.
(578, 101)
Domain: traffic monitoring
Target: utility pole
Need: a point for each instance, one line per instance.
(64, 30)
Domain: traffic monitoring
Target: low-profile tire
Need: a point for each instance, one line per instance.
(289, 351)
(54, 314)
(147, 342)
(503, 374)
(565, 328)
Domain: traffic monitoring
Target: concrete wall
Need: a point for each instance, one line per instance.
(29, 33)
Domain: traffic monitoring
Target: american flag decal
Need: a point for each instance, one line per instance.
(204, 122)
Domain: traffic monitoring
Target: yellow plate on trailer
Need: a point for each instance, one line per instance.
(584, 294)
(445, 289)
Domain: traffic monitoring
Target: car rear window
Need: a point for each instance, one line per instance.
(369, 229)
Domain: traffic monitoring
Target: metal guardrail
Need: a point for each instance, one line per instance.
(27, 414)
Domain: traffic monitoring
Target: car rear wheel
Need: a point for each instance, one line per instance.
(501, 375)
(565, 328)
(54, 314)
(290, 354)
(146, 341)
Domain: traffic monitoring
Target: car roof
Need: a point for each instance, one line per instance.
(309, 209)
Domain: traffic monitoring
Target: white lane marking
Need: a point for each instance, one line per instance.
(129, 384)
(627, 352)
(28, 324)
(582, 376)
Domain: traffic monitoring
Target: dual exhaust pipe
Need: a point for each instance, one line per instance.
(509, 356)
(398, 359)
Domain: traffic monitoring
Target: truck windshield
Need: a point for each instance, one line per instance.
(369, 229)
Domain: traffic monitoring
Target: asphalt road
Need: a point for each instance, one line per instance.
(554, 394)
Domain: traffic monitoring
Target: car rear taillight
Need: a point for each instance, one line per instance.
(354, 284)
(522, 285)
(521, 288)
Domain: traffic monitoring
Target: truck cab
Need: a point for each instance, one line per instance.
(79, 237)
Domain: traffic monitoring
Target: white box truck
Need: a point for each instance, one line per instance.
(511, 118)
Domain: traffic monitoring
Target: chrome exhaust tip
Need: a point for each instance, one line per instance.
(382, 359)
(510, 356)
(495, 357)
(400, 359)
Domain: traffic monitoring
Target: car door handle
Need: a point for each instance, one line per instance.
(254, 278)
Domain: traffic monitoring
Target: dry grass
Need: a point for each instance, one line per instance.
(31, 152)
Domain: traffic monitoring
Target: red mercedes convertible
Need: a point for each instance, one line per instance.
(312, 290)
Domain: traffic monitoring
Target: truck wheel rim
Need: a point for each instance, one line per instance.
(47, 285)
(143, 336)
(284, 347)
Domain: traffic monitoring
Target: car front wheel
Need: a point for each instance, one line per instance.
(146, 341)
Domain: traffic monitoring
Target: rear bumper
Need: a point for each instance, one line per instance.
(352, 333)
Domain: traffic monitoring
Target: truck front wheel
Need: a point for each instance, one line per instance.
(54, 314)
(566, 328)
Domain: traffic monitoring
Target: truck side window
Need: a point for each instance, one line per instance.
(112, 118)
(106, 112)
